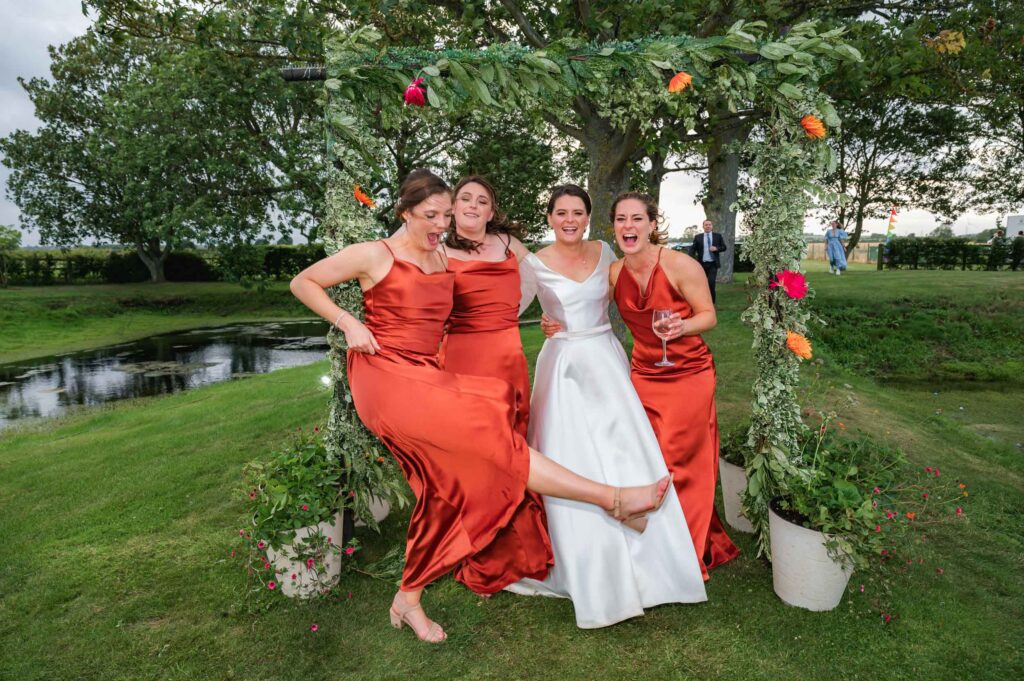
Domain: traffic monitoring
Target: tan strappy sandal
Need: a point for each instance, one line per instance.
(399, 616)
(637, 521)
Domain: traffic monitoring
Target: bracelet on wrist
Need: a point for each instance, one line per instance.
(338, 320)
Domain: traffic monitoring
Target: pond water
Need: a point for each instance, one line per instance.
(158, 365)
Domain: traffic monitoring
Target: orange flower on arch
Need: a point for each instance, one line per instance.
(362, 198)
(680, 82)
(798, 344)
(813, 126)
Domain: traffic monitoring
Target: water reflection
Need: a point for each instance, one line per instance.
(158, 365)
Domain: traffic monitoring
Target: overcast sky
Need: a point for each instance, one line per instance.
(27, 27)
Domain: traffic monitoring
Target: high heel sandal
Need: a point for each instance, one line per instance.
(435, 634)
(636, 521)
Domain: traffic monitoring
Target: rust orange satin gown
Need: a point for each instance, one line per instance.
(483, 332)
(680, 402)
(454, 439)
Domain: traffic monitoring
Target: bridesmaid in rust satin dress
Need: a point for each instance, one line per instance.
(483, 333)
(452, 434)
(679, 399)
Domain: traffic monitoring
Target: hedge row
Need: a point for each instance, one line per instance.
(946, 253)
(41, 268)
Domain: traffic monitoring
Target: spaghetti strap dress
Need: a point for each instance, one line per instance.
(680, 402)
(454, 438)
(483, 331)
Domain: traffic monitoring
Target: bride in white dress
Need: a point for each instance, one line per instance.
(587, 416)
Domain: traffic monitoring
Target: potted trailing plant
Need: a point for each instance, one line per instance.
(833, 518)
(732, 461)
(301, 530)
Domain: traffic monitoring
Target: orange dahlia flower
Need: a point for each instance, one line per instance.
(800, 346)
(813, 126)
(680, 82)
(362, 198)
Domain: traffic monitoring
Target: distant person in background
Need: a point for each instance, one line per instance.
(835, 250)
(1017, 251)
(706, 248)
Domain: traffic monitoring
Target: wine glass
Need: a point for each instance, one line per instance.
(659, 322)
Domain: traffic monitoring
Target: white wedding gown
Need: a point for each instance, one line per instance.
(585, 415)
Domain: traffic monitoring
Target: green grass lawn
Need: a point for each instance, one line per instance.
(118, 524)
(44, 320)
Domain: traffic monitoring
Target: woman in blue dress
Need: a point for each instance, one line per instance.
(834, 248)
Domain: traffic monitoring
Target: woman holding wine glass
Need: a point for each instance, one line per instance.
(664, 299)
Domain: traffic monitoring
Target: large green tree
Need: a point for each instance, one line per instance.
(716, 127)
(152, 147)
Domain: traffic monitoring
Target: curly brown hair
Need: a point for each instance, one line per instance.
(659, 235)
(499, 224)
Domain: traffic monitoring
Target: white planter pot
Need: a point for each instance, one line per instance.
(307, 582)
(734, 481)
(803, 573)
(379, 508)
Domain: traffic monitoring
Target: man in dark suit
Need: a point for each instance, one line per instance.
(706, 248)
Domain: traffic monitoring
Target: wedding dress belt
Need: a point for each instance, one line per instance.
(583, 333)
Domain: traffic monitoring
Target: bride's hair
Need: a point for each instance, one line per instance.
(418, 186)
(659, 235)
(499, 224)
(569, 190)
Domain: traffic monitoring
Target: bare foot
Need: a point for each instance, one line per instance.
(405, 610)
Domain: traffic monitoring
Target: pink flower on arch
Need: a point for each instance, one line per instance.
(305, 507)
(878, 528)
(314, 628)
(261, 544)
(294, 576)
(271, 585)
(793, 283)
(415, 94)
(889, 515)
(349, 551)
(241, 533)
(959, 511)
(309, 562)
(877, 490)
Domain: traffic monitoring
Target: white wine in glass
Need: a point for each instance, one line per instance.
(659, 322)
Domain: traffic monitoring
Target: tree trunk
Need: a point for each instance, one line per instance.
(153, 258)
(608, 151)
(654, 174)
(723, 179)
(858, 227)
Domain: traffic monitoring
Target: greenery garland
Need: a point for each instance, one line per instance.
(786, 164)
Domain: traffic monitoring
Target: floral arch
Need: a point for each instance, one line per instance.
(631, 85)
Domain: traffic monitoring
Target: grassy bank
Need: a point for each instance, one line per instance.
(118, 526)
(44, 320)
